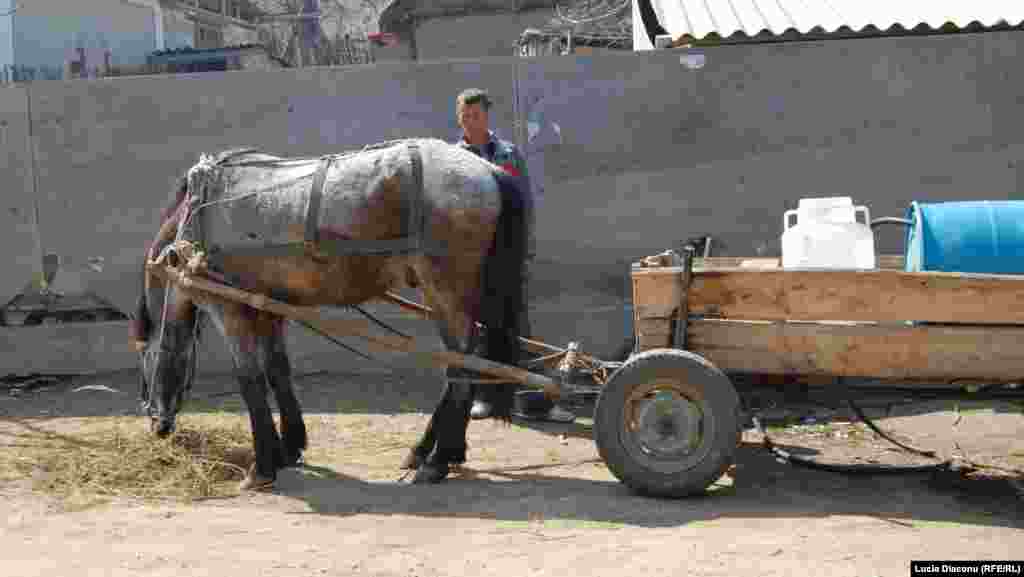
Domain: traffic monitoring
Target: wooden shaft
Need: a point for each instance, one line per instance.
(360, 328)
(425, 311)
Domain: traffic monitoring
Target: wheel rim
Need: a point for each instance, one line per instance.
(666, 428)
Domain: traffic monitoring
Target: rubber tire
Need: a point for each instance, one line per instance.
(709, 382)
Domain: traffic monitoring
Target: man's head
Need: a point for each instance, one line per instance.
(471, 108)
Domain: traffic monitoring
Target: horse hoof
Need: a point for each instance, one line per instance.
(430, 474)
(412, 461)
(256, 482)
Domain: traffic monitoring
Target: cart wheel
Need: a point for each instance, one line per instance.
(667, 424)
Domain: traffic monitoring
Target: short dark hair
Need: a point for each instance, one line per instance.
(474, 96)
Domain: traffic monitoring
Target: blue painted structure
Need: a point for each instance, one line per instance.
(980, 236)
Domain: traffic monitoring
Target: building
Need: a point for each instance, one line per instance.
(674, 23)
(53, 39)
(444, 29)
(581, 27)
(441, 29)
(239, 57)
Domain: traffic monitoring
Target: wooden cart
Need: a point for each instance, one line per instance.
(669, 418)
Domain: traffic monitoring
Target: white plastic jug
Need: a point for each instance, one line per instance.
(827, 235)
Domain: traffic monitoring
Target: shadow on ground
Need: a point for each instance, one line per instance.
(764, 491)
(576, 490)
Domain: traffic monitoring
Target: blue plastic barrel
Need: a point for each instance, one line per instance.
(983, 236)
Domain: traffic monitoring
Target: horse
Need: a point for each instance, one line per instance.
(338, 230)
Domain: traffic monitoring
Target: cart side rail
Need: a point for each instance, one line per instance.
(885, 324)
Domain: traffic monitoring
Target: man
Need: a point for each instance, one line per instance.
(472, 109)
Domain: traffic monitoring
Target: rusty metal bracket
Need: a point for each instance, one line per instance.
(683, 312)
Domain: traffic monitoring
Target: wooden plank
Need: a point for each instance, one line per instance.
(653, 333)
(900, 352)
(884, 261)
(833, 295)
(312, 316)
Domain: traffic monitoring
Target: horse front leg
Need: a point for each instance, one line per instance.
(246, 338)
(279, 376)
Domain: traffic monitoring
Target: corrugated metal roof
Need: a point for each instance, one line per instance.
(699, 19)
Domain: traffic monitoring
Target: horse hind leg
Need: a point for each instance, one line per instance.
(446, 431)
(425, 445)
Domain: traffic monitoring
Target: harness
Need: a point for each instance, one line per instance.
(413, 222)
(412, 239)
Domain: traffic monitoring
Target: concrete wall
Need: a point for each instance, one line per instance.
(19, 252)
(475, 35)
(630, 153)
(109, 151)
(653, 152)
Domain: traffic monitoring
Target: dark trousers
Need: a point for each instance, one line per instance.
(525, 330)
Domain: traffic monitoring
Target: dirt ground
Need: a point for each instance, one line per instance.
(534, 499)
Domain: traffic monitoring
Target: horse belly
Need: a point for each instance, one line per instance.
(302, 281)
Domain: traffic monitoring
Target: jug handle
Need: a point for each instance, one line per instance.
(867, 215)
(785, 219)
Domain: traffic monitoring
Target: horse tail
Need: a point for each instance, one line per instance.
(503, 299)
(142, 322)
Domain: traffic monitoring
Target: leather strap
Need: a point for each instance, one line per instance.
(415, 227)
(316, 194)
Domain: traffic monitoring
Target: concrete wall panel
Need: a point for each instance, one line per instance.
(636, 152)
(89, 348)
(629, 153)
(110, 151)
(18, 250)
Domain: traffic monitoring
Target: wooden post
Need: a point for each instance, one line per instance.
(683, 313)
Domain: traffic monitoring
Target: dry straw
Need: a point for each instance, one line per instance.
(205, 459)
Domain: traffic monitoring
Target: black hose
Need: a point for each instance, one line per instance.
(861, 469)
(880, 433)
(891, 220)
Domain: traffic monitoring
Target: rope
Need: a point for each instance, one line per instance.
(194, 357)
(380, 322)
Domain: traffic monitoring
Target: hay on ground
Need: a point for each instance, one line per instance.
(207, 458)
